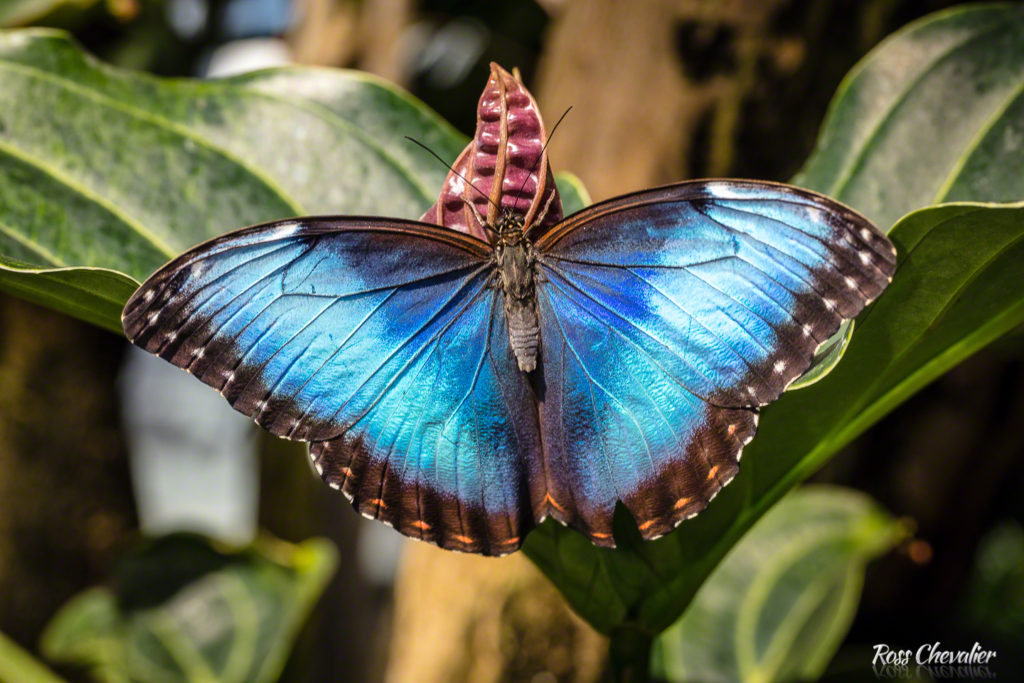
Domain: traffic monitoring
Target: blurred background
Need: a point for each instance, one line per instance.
(741, 87)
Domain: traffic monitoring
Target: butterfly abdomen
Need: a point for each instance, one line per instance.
(523, 331)
(516, 270)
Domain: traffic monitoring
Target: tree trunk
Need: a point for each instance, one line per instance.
(642, 78)
(468, 618)
(66, 508)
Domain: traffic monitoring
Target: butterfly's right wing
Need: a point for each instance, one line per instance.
(381, 342)
(668, 317)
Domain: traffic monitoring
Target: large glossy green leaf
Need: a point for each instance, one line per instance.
(106, 174)
(934, 114)
(780, 603)
(184, 610)
(957, 288)
(901, 119)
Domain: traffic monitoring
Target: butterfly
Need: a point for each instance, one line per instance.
(462, 390)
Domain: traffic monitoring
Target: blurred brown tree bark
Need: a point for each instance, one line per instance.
(66, 510)
(638, 101)
(358, 33)
(467, 618)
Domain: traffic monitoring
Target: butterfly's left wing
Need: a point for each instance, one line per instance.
(667, 318)
(380, 342)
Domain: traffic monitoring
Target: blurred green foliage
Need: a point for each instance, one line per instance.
(24, 12)
(780, 603)
(183, 609)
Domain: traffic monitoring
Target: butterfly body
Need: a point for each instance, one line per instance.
(463, 390)
(516, 265)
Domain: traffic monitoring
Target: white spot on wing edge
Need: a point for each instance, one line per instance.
(729, 480)
(723, 191)
(285, 230)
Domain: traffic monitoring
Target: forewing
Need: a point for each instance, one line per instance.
(381, 343)
(668, 317)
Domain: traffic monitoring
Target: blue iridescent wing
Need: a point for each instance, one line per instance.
(383, 344)
(667, 318)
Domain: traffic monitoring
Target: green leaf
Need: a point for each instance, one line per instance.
(572, 192)
(957, 288)
(927, 116)
(24, 12)
(106, 174)
(185, 610)
(781, 602)
(18, 665)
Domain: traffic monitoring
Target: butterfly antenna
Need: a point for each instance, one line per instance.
(540, 156)
(452, 169)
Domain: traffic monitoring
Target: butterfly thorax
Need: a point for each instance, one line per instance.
(516, 262)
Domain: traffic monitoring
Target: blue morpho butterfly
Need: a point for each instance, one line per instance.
(462, 391)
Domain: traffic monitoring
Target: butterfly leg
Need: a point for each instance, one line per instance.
(476, 214)
(542, 215)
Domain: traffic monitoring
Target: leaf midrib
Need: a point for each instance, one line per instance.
(972, 147)
(155, 119)
(32, 245)
(88, 194)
